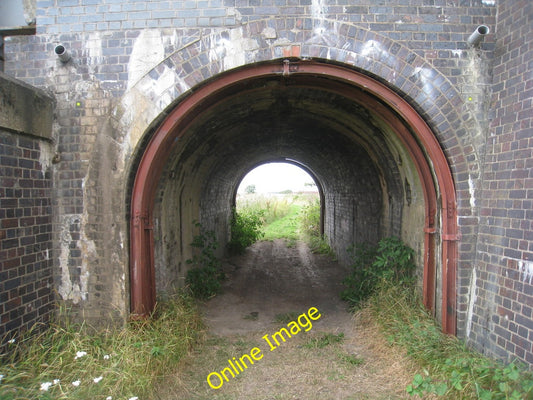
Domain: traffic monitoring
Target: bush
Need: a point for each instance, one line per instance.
(245, 230)
(203, 279)
(390, 260)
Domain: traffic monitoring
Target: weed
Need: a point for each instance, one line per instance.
(203, 279)
(253, 316)
(450, 368)
(319, 245)
(389, 260)
(325, 340)
(246, 229)
(77, 362)
(287, 317)
(351, 359)
(310, 218)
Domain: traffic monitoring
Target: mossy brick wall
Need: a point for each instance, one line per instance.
(26, 286)
(125, 53)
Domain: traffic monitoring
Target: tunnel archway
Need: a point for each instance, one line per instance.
(380, 142)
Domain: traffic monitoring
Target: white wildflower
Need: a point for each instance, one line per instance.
(107, 357)
(134, 398)
(109, 398)
(1, 377)
(96, 380)
(56, 381)
(76, 383)
(11, 341)
(80, 354)
(45, 386)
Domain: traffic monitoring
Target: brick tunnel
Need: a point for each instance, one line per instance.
(371, 155)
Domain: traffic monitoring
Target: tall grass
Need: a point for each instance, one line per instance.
(449, 368)
(271, 207)
(77, 362)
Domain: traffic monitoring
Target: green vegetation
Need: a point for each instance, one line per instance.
(389, 260)
(382, 278)
(245, 230)
(310, 228)
(203, 279)
(291, 216)
(78, 362)
(271, 207)
(285, 318)
(450, 368)
(324, 340)
(285, 227)
(351, 359)
(310, 218)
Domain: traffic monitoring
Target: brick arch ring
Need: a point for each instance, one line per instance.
(417, 137)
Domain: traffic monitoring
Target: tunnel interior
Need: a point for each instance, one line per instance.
(370, 188)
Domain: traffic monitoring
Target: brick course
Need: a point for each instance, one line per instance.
(26, 235)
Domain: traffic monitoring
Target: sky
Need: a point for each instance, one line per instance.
(277, 177)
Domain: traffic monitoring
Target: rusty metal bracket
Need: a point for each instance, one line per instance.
(289, 68)
(452, 237)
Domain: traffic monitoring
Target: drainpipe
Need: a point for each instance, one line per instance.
(477, 35)
(62, 53)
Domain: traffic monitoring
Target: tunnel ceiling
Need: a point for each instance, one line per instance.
(276, 118)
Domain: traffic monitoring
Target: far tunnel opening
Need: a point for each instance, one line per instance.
(286, 196)
(366, 158)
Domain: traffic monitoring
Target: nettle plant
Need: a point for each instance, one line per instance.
(203, 279)
(390, 260)
(246, 229)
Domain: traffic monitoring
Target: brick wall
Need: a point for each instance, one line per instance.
(502, 322)
(133, 59)
(26, 287)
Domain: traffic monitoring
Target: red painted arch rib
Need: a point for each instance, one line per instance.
(394, 110)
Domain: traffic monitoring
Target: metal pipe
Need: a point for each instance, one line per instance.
(62, 53)
(477, 35)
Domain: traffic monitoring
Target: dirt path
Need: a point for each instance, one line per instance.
(272, 279)
(266, 288)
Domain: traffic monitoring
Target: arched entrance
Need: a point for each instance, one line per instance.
(419, 142)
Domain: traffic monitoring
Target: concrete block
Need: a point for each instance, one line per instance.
(25, 109)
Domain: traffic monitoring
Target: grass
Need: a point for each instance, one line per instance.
(285, 227)
(449, 368)
(351, 359)
(272, 207)
(76, 362)
(292, 217)
(324, 340)
(285, 318)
